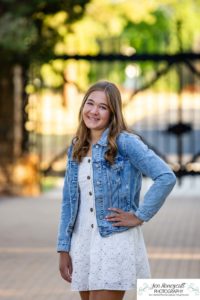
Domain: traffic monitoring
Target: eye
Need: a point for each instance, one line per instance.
(89, 102)
(103, 107)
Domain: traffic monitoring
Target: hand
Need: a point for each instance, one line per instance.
(65, 266)
(123, 218)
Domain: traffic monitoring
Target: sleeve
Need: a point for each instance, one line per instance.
(151, 165)
(63, 237)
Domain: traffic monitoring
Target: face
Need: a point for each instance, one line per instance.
(96, 113)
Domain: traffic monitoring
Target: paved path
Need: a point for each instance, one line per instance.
(29, 262)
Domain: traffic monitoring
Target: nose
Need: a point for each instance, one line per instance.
(95, 109)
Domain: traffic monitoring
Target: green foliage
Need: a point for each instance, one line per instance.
(146, 37)
(36, 31)
(17, 34)
(24, 26)
(186, 13)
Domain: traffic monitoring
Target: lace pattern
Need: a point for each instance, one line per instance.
(112, 263)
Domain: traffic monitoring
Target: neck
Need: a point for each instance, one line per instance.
(95, 136)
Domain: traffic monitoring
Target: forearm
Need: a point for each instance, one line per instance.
(155, 196)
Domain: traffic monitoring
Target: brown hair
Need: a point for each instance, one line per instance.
(116, 124)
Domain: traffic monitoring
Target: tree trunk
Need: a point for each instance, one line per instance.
(11, 86)
(11, 123)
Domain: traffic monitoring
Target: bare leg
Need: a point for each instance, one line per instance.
(106, 295)
(85, 295)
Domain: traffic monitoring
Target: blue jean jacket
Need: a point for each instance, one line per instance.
(116, 185)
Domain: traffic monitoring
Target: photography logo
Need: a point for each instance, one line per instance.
(168, 289)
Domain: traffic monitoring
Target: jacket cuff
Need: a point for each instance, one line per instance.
(143, 215)
(63, 246)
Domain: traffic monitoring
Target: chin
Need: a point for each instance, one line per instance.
(92, 126)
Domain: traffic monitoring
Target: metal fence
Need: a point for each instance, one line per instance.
(161, 103)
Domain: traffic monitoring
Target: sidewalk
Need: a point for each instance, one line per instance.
(29, 262)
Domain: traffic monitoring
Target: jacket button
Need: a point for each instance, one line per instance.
(91, 209)
(89, 160)
(92, 225)
(88, 177)
(90, 193)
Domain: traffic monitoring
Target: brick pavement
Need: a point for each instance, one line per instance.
(29, 262)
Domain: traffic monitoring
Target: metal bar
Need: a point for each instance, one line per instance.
(156, 57)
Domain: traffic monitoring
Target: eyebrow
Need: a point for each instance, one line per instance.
(89, 99)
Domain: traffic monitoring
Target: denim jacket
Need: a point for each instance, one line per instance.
(116, 185)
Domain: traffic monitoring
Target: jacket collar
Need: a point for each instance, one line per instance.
(103, 141)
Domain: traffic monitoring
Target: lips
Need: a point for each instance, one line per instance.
(93, 119)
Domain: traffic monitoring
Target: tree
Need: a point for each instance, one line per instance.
(144, 26)
(26, 36)
(24, 29)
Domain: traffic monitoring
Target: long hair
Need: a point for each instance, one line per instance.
(81, 142)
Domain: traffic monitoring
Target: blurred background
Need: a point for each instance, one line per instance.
(50, 52)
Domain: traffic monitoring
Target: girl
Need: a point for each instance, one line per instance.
(101, 246)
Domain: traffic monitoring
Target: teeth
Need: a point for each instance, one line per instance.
(93, 119)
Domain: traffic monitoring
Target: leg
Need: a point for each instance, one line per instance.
(85, 295)
(106, 295)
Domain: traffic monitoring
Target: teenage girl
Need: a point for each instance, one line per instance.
(100, 241)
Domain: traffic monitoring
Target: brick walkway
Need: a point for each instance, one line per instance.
(29, 262)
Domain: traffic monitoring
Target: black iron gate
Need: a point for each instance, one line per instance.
(170, 123)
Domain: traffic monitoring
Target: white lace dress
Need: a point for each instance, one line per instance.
(103, 263)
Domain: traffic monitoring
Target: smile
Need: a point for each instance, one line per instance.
(93, 119)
